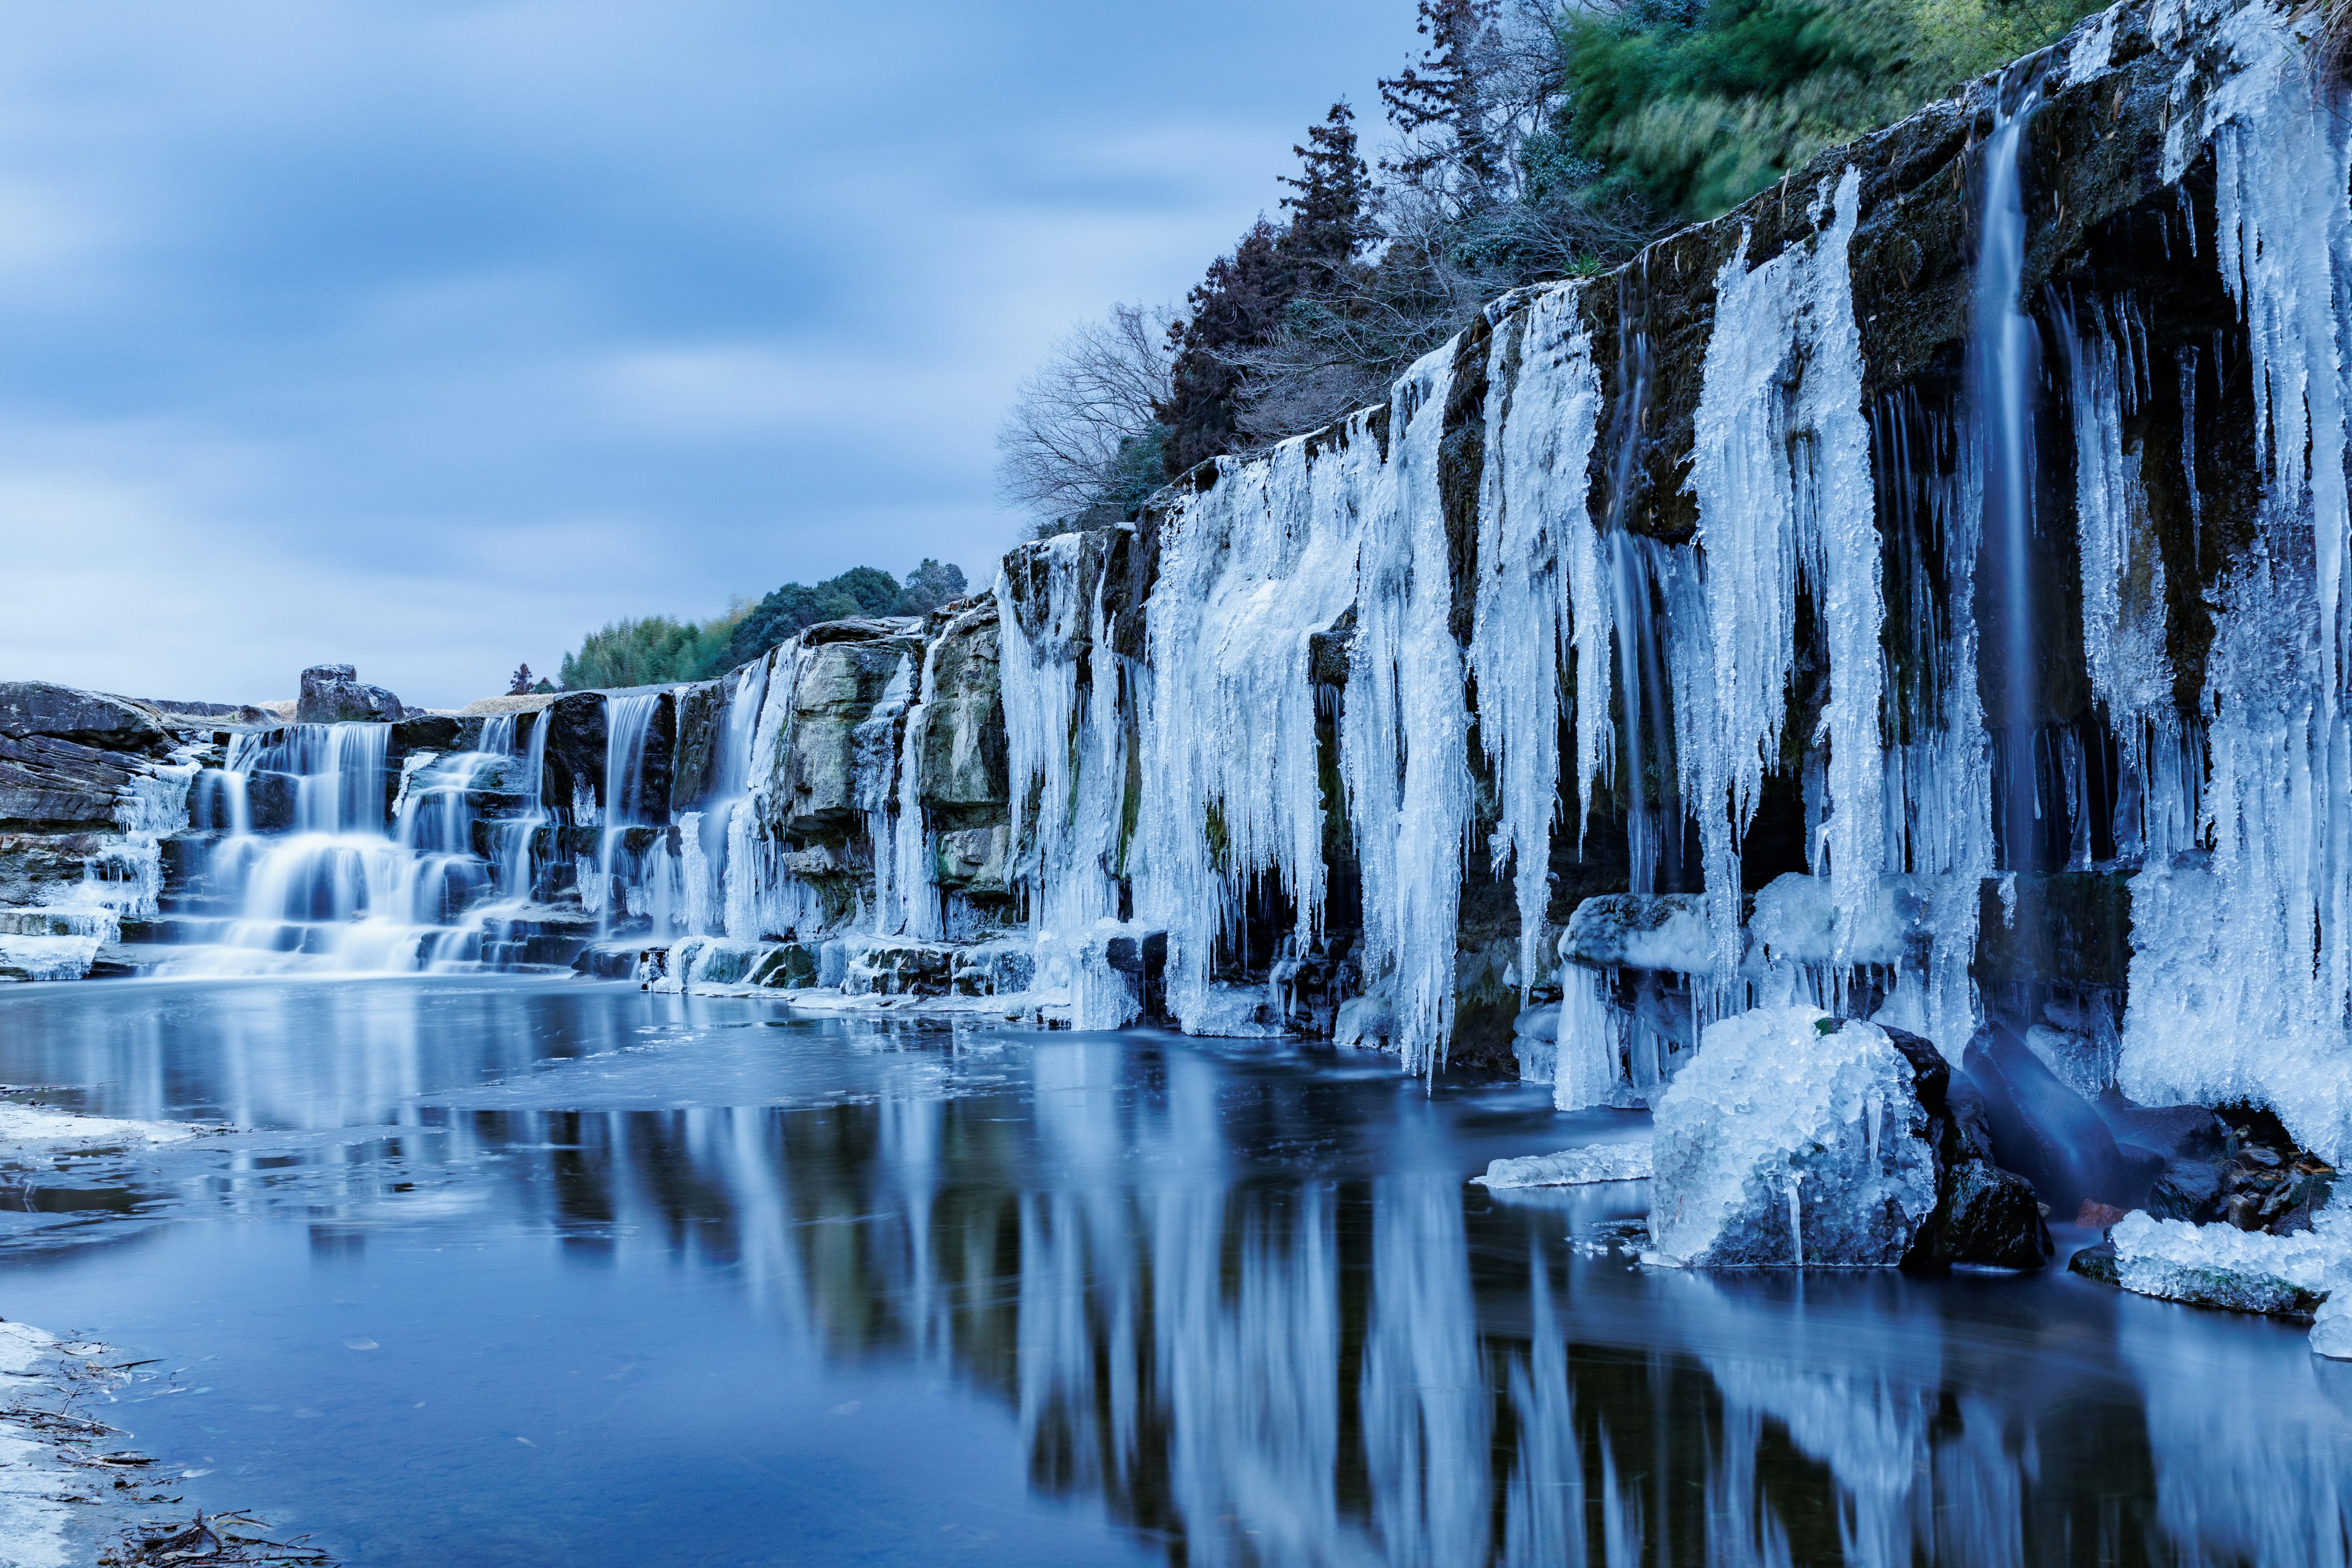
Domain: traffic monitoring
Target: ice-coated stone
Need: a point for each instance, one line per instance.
(1790, 1139)
(1640, 930)
(1586, 1163)
(2222, 1266)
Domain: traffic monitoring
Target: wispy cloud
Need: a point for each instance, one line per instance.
(430, 335)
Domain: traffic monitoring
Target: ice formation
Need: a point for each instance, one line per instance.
(2241, 966)
(1587, 1163)
(1788, 1141)
(2222, 1266)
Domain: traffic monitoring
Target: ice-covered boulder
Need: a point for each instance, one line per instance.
(1791, 1139)
(1640, 930)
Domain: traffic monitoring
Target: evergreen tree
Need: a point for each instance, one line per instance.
(1439, 106)
(929, 587)
(1326, 222)
(1236, 306)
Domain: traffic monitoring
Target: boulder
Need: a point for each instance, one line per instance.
(1984, 1214)
(334, 694)
(31, 707)
(576, 754)
(1791, 1139)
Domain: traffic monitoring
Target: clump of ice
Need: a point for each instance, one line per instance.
(1789, 1140)
(2331, 1329)
(2222, 1266)
(36, 1126)
(1580, 1166)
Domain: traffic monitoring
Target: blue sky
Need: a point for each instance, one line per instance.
(427, 336)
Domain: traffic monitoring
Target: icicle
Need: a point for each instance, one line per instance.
(1538, 555)
(1763, 522)
(1403, 730)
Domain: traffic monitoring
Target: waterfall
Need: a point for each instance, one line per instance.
(2003, 372)
(329, 882)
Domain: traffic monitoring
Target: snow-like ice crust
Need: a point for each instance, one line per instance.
(2222, 1266)
(1587, 1163)
(36, 1126)
(1777, 1129)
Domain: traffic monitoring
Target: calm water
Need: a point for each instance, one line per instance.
(511, 1272)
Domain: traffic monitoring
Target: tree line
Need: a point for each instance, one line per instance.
(1526, 144)
(656, 650)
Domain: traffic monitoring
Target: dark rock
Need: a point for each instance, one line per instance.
(235, 712)
(272, 801)
(2096, 1264)
(48, 784)
(701, 721)
(334, 694)
(575, 752)
(2187, 1189)
(1144, 961)
(1983, 1214)
(31, 707)
(432, 732)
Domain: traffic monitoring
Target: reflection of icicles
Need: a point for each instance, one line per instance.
(1424, 1400)
(1402, 730)
(1764, 524)
(1538, 556)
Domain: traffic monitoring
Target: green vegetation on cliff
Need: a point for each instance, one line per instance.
(657, 650)
(1528, 143)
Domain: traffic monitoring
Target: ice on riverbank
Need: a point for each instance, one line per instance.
(1587, 1164)
(32, 1127)
(2245, 1271)
(34, 1510)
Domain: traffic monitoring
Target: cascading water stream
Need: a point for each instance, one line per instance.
(2003, 374)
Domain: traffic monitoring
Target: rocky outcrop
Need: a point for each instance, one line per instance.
(334, 694)
(30, 708)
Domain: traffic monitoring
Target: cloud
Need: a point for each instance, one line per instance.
(431, 336)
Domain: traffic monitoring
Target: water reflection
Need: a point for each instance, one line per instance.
(1241, 1301)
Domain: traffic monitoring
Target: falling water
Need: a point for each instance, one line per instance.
(2004, 369)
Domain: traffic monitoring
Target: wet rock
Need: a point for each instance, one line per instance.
(789, 965)
(89, 719)
(1984, 1214)
(2096, 1264)
(816, 792)
(899, 969)
(272, 800)
(695, 761)
(334, 694)
(575, 755)
(1143, 961)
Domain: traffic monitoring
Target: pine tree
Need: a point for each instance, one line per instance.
(1442, 92)
(1236, 306)
(1327, 213)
